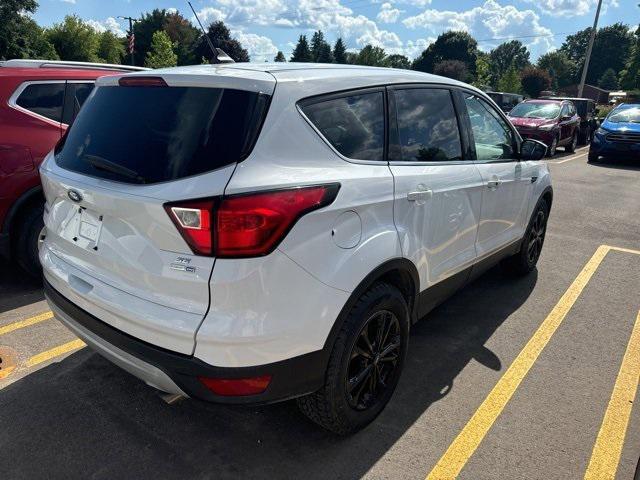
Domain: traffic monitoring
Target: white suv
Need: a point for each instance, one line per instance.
(250, 233)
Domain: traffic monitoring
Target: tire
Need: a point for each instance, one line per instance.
(551, 149)
(571, 147)
(356, 352)
(524, 262)
(26, 245)
(593, 157)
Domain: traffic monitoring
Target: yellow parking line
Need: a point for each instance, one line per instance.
(608, 447)
(468, 440)
(626, 250)
(54, 352)
(26, 323)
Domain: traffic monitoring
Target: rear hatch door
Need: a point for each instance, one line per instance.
(112, 246)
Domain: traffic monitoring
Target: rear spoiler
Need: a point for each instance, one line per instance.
(20, 63)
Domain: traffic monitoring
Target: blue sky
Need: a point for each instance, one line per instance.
(399, 26)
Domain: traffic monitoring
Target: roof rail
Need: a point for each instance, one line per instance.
(20, 63)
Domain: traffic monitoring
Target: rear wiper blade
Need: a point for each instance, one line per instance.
(108, 166)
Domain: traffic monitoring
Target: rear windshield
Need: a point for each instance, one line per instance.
(154, 134)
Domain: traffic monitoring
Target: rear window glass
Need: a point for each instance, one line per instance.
(155, 134)
(354, 125)
(44, 99)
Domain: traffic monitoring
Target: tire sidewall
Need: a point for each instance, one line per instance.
(542, 205)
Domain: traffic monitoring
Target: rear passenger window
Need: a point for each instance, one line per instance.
(427, 127)
(77, 94)
(354, 125)
(44, 99)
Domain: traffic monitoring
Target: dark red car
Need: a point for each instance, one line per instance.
(38, 101)
(554, 122)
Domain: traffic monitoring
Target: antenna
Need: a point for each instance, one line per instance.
(213, 50)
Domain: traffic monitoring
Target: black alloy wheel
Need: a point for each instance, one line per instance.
(373, 360)
(536, 237)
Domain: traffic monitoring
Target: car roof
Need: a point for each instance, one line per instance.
(573, 99)
(544, 100)
(317, 78)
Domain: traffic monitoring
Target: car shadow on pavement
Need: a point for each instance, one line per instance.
(17, 288)
(83, 417)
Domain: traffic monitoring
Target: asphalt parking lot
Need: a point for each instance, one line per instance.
(530, 378)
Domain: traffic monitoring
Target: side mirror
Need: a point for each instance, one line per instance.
(532, 149)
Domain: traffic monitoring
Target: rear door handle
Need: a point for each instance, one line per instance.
(419, 195)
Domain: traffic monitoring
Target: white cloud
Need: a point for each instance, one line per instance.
(260, 48)
(490, 23)
(172, 10)
(388, 14)
(72, 2)
(110, 24)
(209, 15)
(570, 8)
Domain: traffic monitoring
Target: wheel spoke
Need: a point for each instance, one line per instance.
(390, 348)
(357, 380)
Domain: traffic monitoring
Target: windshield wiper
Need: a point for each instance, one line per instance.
(108, 166)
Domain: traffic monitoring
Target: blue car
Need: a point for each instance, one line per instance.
(618, 135)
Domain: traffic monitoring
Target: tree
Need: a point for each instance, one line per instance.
(398, 61)
(320, 49)
(339, 52)
(611, 49)
(74, 40)
(371, 56)
(20, 36)
(451, 68)
(110, 48)
(144, 28)
(450, 45)
(301, 53)
(535, 80)
(483, 72)
(608, 81)
(183, 35)
(505, 55)
(279, 57)
(161, 53)
(630, 76)
(220, 37)
(510, 81)
(560, 67)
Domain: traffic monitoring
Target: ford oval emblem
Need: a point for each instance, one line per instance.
(74, 195)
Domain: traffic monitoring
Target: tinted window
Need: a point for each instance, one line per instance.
(44, 99)
(427, 126)
(492, 136)
(155, 134)
(77, 94)
(354, 125)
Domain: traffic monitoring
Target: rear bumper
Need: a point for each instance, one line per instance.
(178, 373)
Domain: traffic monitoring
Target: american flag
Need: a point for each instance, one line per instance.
(132, 41)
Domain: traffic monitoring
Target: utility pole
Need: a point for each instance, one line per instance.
(589, 48)
(131, 38)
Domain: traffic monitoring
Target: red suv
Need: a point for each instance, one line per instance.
(555, 123)
(38, 101)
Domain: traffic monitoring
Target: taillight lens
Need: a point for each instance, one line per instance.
(254, 224)
(138, 81)
(246, 225)
(193, 220)
(236, 387)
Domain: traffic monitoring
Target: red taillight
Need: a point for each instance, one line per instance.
(236, 387)
(135, 81)
(246, 225)
(193, 220)
(253, 225)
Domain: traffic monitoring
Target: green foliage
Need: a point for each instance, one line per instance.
(505, 55)
(450, 45)
(110, 48)
(452, 69)
(371, 56)
(279, 57)
(608, 80)
(510, 81)
(161, 53)
(535, 80)
(144, 29)
(611, 49)
(630, 75)
(184, 37)
(398, 61)
(560, 67)
(20, 36)
(320, 49)
(301, 53)
(74, 40)
(483, 73)
(220, 36)
(339, 52)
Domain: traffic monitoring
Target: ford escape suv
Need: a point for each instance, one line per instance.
(246, 233)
